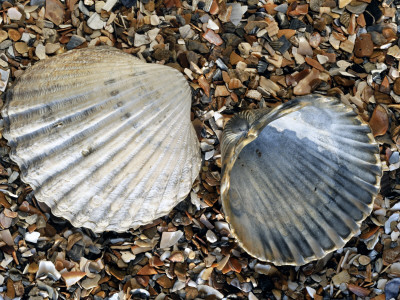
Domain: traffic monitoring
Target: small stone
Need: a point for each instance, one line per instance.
(129, 3)
(315, 64)
(364, 47)
(109, 5)
(221, 91)
(211, 236)
(235, 83)
(322, 59)
(212, 37)
(99, 6)
(358, 290)
(305, 86)
(197, 46)
(95, 22)
(76, 252)
(47, 268)
(32, 237)
(254, 94)
(90, 283)
(177, 256)
(154, 20)
(3, 35)
(186, 31)
(204, 85)
(311, 291)
(392, 288)
(244, 49)
(343, 3)
(21, 47)
(379, 121)
(71, 278)
(347, 46)
(147, 270)
(162, 54)
(169, 239)
(75, 41)
(14, 35)
(396, 86)
(234, 58)
(304, 47)
(364, 260)
(54, 11)
(287, 33)
(141, 39)
(14, 14)
(52, 48)
(342, 277)
(40, 52)
(315, 40)
(165, 282)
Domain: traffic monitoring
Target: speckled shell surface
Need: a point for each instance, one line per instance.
(104, 139)
(298, 180)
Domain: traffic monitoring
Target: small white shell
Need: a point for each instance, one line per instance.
(298, 180)
(104, 139)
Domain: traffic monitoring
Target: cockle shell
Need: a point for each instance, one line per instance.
(298, 180)
(104, 139)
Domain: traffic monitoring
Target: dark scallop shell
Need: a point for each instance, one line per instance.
(298, 180)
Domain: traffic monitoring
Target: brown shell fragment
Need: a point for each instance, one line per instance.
(379, 121)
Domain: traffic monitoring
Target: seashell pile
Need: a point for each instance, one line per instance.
(298, 180)
(105, 143)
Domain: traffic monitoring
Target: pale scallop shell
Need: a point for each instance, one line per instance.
(298, 180)
(104, 139)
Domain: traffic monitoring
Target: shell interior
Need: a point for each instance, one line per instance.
(299, 186)
(104, 139)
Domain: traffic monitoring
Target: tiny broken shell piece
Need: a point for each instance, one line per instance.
(281, 207)
(47, 268)
(71, 278)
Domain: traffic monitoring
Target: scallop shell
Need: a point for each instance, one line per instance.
(298, 180)
(104, 139)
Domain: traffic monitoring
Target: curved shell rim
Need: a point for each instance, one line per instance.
(225, 184)
(35, 186)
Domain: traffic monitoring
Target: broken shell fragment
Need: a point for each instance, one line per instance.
(298, 180)
(104, 139)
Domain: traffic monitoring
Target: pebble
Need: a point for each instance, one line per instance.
(364, 260)
(75, 41)
(52, 48)
(169, 239)
(392, 288)
(14, 34)
(99, 6)
(212, 37)
(141, 39)
(14, 14)
(304, 47)
(95, 22)
(3, 35)
(109, 5)
(379, 121)
(364, 47)
(342, 277)
(47, 268)
(197, 46)
(21, 47)
(162, 54)
(396, 86)
(40, 52)
(186, 32)
(71, 278)
(54, 11)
